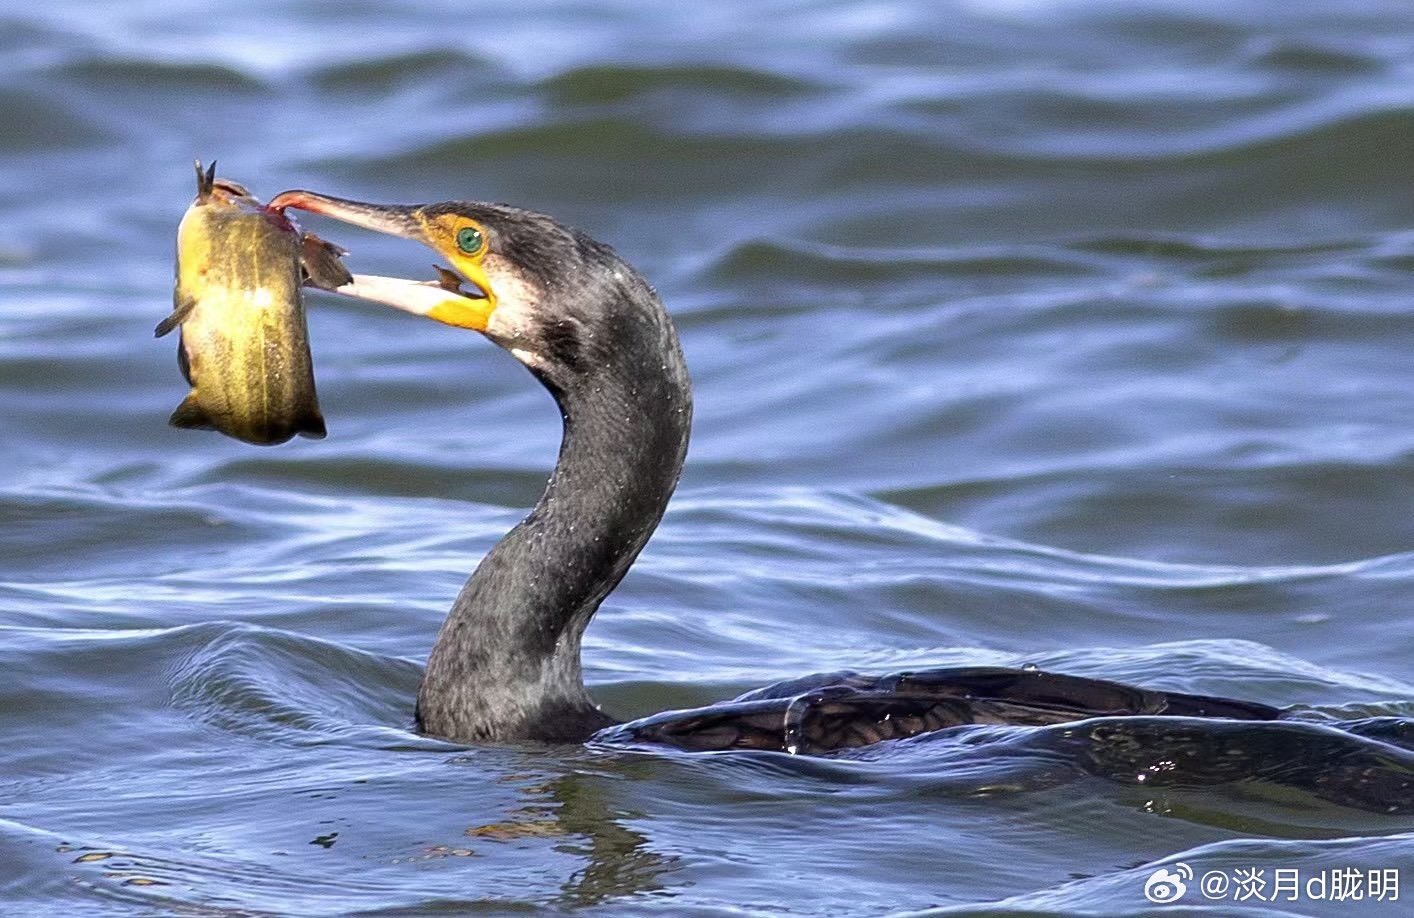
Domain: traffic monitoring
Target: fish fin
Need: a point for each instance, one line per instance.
(190, 415)
(205, 180)
(178, 316)
(334, 249)
(448, 279)
(312, 426)
(320, 260)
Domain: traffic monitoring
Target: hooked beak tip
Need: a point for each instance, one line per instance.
(392, 219)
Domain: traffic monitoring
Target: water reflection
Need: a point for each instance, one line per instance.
(582, 813)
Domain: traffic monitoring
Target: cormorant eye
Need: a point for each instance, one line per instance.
(470, 240)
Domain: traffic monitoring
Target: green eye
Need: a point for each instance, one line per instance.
(470, 239)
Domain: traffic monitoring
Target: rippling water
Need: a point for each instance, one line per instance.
(1067, 333)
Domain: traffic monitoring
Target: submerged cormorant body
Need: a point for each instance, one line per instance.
(506, 664)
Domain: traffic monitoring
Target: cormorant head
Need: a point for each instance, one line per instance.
(545, 292)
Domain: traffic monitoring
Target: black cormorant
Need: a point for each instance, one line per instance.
(506, 664)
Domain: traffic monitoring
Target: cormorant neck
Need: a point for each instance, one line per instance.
(506, 664)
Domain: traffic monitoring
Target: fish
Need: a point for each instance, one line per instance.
(244, 342)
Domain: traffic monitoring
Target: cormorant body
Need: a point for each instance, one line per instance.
(506, 664)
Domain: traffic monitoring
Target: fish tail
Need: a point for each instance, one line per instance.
(205, 181)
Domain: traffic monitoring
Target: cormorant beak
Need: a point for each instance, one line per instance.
(443, 299)
(393, 219)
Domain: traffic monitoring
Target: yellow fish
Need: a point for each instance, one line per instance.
(244, 345)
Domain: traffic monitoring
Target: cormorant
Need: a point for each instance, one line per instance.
(506, 664)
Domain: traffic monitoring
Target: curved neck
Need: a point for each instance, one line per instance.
(506, 663)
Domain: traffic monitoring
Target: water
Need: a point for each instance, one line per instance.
(1072, 334)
